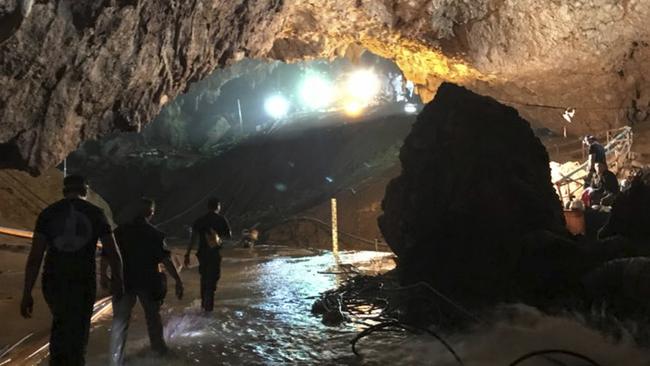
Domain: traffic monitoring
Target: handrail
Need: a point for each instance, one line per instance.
(623, 135)
(16, 232)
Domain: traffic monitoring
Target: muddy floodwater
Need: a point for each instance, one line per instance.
(262, 317)
(262, 313)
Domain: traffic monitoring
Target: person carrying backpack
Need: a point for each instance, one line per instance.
(208, 233)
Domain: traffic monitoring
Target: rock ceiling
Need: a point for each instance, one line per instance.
(75, 70)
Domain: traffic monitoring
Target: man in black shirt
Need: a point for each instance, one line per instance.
(208, 232)
(604, 186)
(597, 153)
(67, 232)
(143, 247)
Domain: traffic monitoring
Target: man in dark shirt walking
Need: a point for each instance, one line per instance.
(208, 231)
(143, 248)
(597, 153)
(67, 232)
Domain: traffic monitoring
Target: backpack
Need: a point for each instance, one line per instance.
(212, 238)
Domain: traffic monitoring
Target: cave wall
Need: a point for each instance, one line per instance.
(77, 70)
(72, 71)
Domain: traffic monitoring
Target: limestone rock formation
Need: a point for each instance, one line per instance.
(474, 209)
(75, 70)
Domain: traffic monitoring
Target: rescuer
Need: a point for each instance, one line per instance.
(208, 233)
(143, 248)
(67, 232)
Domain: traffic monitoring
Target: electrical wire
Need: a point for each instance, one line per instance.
(396, 324)
(544, 352)
(326, 225)
(548, 106)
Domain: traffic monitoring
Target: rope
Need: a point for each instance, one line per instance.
(549, 106)
(26, 188)
(188, 209)
(323, 223)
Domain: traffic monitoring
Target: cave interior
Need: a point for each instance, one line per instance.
(444, 142)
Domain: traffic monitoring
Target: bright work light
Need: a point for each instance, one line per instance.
(276, 106)
(316, 92)
(363, 85)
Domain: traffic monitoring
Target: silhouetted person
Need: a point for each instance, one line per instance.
(143, 248)
(597, 153)
(67, 232)
(208, 232)
(604, 186)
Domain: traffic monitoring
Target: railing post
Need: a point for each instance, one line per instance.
(335, 235)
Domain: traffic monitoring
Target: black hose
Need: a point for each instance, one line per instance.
(411, 329)
(553, 351)
(368, 331)
(554, 361)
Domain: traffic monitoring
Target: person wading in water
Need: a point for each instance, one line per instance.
(208, 233)
(143, 248)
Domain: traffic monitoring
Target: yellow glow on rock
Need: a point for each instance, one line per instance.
(422, 63)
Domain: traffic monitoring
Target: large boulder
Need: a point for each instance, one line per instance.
(474, 204)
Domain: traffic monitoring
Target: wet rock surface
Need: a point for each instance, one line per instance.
(620, 283)
(474, 212)
(629, 218)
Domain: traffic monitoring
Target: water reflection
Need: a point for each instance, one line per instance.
(262, 317)
(262, 313)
